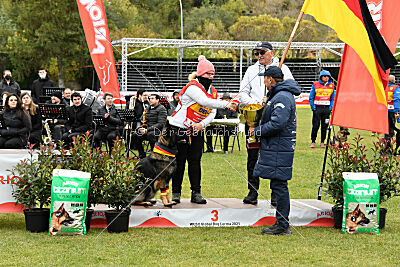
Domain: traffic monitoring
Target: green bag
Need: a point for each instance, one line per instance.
(69, 194)
(361, 203)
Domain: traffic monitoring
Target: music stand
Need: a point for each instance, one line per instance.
(129, 118)
(53, 111)
(164, 101)
(48, 91)
(44, 98)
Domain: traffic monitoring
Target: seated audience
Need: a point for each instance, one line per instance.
(79, 119)
(225, 131)
(57, 126)
(156, 117)
(112, 123)
(35, 136)
(8, 84)
(17, 123)
(67, 97)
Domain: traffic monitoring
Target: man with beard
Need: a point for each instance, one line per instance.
(9, 85)
(40, 83)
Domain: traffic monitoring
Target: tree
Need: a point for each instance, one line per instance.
(263, 27)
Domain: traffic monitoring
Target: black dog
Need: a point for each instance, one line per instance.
(158, 168)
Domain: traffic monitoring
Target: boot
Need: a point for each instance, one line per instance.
(197, 198)
(276, 230)
(251, 198)
(176, 197)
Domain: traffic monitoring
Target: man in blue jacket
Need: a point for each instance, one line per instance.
(277, 132)
(321, 101)
(393, 110)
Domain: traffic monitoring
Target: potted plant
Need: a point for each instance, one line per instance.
(33, 189)
(356, 158)
(120, 187)
(82, 158)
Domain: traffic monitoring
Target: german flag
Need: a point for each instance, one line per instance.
(353, 24)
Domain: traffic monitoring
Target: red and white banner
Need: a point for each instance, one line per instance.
(94, 22)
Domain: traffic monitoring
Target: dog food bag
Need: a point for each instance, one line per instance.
(69, 195)
(361, 203)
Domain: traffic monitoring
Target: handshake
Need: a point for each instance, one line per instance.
(232, 106)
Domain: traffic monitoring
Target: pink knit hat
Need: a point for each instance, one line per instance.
(204, 66)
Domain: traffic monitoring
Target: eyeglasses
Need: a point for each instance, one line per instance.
(210, 73)
(261, 52)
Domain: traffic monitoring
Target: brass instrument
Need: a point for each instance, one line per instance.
(47, 140)
(132, 102)
(144, 118)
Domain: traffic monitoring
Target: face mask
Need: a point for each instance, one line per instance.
(205, 82)
(42, 76)
(8, 77)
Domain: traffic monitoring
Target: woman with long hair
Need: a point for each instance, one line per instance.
(32, 109)
(17, 126)
(195, 110)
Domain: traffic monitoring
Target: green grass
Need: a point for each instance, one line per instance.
(215, 246)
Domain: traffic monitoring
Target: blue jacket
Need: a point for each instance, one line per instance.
(396, 100)
(312, 92)
(277, 132)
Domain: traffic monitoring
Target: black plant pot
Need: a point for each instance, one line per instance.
(88, 219)
(120, 224)
(338, 217)
(37, 220)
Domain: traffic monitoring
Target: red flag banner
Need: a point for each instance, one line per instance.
(352, 21)
(94, 22)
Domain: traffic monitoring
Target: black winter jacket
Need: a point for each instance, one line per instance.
(156, 117)
(18, 124)
(37, 87)
(12, 88)
(277, 131)
(113, 121)
(80, 119)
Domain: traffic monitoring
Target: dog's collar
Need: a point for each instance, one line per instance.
(163, 150)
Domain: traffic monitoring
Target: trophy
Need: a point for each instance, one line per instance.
(249, 112)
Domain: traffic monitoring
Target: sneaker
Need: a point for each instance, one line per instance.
(198, 198)
(251, 198)
(322, 145)
(312, 145)
(276, 230)
(225, 152)
(176, 197)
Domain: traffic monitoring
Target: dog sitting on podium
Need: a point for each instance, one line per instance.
(341, 137)
(158, 168)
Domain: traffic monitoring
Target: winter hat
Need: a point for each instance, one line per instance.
(204, 66)
(57, 94)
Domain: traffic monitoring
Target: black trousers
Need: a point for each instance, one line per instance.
(252, 157)
(392, 130)
(12, 142)
(226, 132)
(192, 154)
(67, 138)
(320, 117)
(35, 138)
(280, 190)
(105, 134)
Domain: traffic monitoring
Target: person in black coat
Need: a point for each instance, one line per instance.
(40, 83)
(80, 119)
(112, 123)
(277, 133)
(17, 123)
(35, 135)
(8, 84)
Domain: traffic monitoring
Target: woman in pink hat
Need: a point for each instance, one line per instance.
(195, 110)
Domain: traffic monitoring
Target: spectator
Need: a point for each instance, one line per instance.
(67, 97)
(252, 91)
(17, 122)
(40, 83)
(156, 118)
(174, 102)
(393, 97)
(321, 100)
(8, 84)
(35, 135)
(141, 103)
(277, 131)
(112, 123)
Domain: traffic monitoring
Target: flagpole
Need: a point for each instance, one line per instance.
(296, 26)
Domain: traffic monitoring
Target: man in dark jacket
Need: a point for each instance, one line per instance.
(9, 85)
(79, 119)
(156, 117)
(39, 84)
(112, 123)
(277, 132)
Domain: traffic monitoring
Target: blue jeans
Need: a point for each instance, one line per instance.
(280, 189)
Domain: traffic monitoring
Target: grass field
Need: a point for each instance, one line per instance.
(216, 246)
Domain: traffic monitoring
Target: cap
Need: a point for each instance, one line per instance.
(226, 96)
(264, 46)
(57, 94)
(204, 66)
(272, 71)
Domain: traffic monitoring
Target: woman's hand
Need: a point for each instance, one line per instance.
(197, 127)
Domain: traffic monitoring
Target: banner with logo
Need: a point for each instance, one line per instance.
(94, 22)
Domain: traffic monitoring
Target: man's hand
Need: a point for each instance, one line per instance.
(197, 127)
(264, 99)
(143, 130)
(106, 116)
(251, 131)
(397, 116)
(232, 106)
(55, 121)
